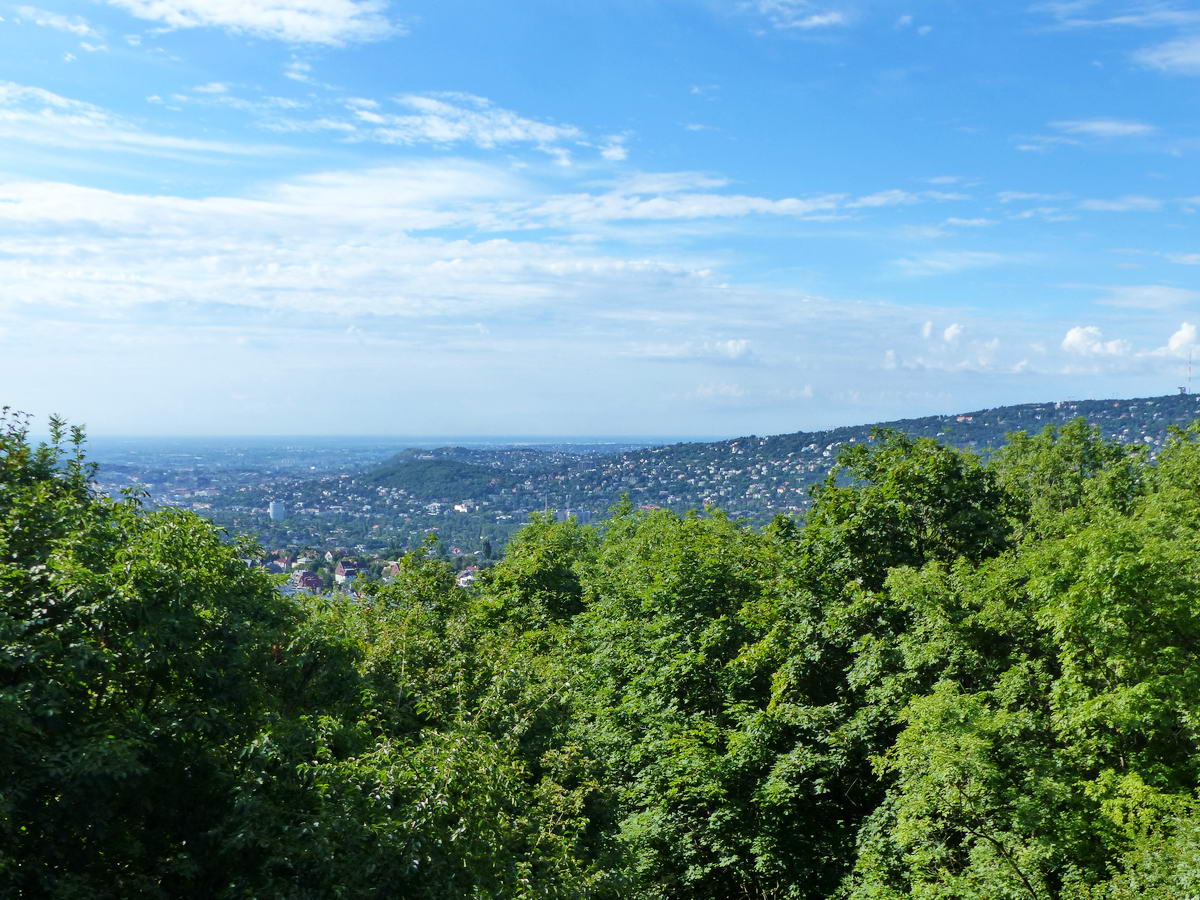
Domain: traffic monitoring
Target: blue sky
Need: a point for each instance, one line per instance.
(699, 217)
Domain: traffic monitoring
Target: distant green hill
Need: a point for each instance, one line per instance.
(437, 479)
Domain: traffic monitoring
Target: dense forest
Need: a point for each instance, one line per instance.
(958, 678)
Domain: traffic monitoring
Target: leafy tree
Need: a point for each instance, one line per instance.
(902, 502)
(136, 650)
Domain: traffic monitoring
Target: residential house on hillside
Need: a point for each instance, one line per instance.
(309, 581)
(347, 570)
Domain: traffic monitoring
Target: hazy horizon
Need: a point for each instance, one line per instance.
(440, 440)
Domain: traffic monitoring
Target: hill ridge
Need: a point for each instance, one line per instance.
(757, 476)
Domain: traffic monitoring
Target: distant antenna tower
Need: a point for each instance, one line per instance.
(1186, 388)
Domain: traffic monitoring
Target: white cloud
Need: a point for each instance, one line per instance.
(617, 206)
(213, 87)
(1130, 203)
(1042, 143)
(1181, 56)
(298, 21)
(1185, 259)
(884, 198)
(298, 70)
(818, 20)
(361, 248)
(956, 222)
(894, 197)
(1088, 340)
(667, 197)
(927, 330)
(735, 350)
(721, 391)
(952, 333)
(669, 182)
(949, 262)
(1104, 128)
(614, 149)
(799, 15)
(922, 232)
(456, 118)
(1018, 196)
(688, 195)
(36, 116)
(1182, 343)
(1046, 213)
(1148, 296)
(340, 243)
(70, 24)
(1147, 15)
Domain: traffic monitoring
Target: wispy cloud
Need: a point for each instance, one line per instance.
(617, 206)
(1181, 56)
(335, 244)
(1021, 196)
(667, 197)
(1148, 296)
(332, 22)
(796, 15)
(948, 262)
(412, 239)
(720, 392)
(733, 350)
(1104, 128)
(1090, 14)
(298, 70)
(465, 118)
(447, 119)
(1041, 143)
(70, 24)
(36, 116)
(614, 149)
(1129, 203)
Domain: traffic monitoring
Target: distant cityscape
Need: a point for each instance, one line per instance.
(328, 511)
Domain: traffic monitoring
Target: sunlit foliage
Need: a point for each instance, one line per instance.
(957, 679)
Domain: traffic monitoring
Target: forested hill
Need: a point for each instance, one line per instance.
(750, 476)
